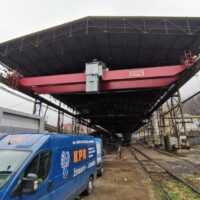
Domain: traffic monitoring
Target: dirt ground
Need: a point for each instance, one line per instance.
(122, 180)
(172, 163)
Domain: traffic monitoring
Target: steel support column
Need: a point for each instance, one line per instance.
(37, 108)
(174, 117)
(60, 120)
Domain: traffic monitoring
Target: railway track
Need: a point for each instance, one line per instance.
(160, 175)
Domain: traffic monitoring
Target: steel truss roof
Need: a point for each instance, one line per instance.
(120, 42)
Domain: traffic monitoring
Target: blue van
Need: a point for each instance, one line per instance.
(46, 166)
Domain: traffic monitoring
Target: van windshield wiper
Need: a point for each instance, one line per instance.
(5, 172)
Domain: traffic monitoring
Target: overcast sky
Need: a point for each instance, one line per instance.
(20, 17)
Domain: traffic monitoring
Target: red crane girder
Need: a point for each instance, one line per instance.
(154, 77)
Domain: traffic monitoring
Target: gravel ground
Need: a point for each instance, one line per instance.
(173, 163)
(125, 180)
(193, 155)
(188, 171)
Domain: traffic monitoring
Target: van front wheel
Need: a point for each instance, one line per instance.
(89, 189)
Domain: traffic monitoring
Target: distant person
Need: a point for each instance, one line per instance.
(119, 151)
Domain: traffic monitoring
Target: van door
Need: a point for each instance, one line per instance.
(40, 166)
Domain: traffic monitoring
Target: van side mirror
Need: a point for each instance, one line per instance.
(29, 184)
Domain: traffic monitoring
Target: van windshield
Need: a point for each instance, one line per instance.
(10, 161)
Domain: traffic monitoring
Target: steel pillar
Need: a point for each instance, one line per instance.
(60, 120)
(75, 126)
(161, 123)
(176, 117)
(37, 108)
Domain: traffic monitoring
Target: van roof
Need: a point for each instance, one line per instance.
(2, 136)
(24, 141)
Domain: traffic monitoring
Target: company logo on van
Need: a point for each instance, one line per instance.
(80, 155)
(65, 159)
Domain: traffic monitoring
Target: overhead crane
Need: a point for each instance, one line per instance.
(114, 71)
